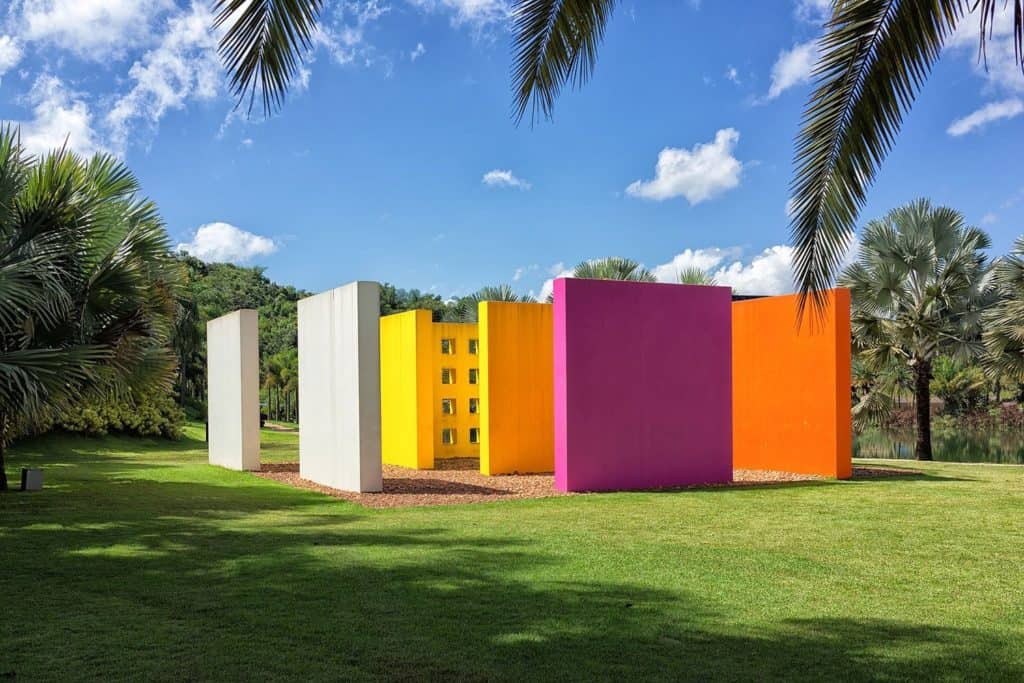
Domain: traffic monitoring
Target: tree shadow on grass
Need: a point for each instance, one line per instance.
(198, 582)
(120, 576)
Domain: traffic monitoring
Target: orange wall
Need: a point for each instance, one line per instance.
(517, 390)
(791, 387)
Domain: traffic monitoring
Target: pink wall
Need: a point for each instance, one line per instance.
(643, 385)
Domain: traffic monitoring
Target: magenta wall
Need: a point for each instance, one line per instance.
(643, 385)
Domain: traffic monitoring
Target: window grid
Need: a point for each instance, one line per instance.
(474, 435)
(474, 375)
(447, 346)
(474, 406)
(448, 436)
(447, 406)
(474, 346)
(447, 375)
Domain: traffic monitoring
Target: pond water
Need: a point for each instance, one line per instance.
(949, 444)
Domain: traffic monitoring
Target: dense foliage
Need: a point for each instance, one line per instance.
(137, 413)
(90, 293)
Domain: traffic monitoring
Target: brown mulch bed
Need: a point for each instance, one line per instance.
(458, 481)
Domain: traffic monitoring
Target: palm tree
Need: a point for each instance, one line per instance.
(696, 276)
(88, 291)
(465, 309)
(1004, 323)
(875, 57)
(918, 290)
(613, 268)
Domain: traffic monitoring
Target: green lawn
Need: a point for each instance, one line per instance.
(140, 561)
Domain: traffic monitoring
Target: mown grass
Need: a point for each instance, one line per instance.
(140, 561)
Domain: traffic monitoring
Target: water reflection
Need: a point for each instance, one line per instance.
(949, 444)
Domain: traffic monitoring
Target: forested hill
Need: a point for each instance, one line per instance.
(215, 289)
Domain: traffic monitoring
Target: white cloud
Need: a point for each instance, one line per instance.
(518, 275)
(705, 259)
(59, 116)
(504, 178)
(769, 272)
(814, 11)
(343, 33)
(989, 218)
(418, 52)
(183, 66)
(224, 243)
(699, 174)
(478, 14)
(733, 75)
(993, 111)
(94, 29)
(10, 54)
(1000, 67)
(558, 270)
(793, 67)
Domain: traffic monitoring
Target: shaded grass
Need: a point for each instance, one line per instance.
(140, 561)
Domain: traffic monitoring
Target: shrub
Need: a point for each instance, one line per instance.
(151, 413)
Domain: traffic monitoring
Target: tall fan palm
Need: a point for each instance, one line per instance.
(918, 290)
(88, 291)
(613, 268)
(1004, 323)
(875, 56)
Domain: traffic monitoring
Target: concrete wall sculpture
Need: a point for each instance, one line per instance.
(233, 378)
(643, 385)
(791, 387)
(339, 388)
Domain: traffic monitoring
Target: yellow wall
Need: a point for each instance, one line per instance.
(411, 390)
(462, 361)
(406, 371)
(517, 388)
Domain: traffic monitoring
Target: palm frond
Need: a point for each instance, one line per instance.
(613, 268)
(554, 42)
(875, 55)
(264, 44)
(695, 276)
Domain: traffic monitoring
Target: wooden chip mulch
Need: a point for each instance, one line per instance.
(458, 481)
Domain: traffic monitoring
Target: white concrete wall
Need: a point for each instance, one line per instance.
(233, 394)
(339, 388)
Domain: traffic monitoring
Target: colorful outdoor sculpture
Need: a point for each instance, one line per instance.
(233, 377)
(339, 388)
(617, 386)
(430, 390)
(791, 386)
(643, 389)
(517, 419)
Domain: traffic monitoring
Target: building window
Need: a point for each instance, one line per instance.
(448, 436)
(447, 375)
(447, 406)
(474, 435)
(474, 375)
(473, 344)
(447, 346)
(474, 406)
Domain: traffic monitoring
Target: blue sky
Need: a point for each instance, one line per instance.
(396, 159)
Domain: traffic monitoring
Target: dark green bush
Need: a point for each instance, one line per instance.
(141, 414)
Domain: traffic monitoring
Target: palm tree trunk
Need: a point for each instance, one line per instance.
(3, 449)
(923, 402)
